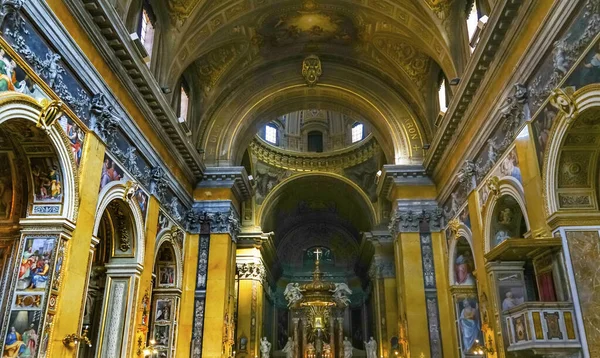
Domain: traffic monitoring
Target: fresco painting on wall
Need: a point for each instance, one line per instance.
(47, 182)
(463, 263)
(588, 70)
(509, 167)
(541, 126)
(163, 310)
(13, 78)
(141, 199)
(166, 276)
(6, 186)
(76, 137)
(469, 323)
(465, 217)
(110, 172)
(23, 336)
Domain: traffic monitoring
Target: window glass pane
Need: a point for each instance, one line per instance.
(184, 101)
(472, 23)
(357, 132)
(442, 97)
(146, 32)
(271, 134)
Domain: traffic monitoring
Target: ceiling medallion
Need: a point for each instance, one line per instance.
(311, 69)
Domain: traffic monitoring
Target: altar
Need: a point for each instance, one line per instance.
(317, 311)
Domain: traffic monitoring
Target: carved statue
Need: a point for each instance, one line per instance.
(9, 8)
(347, 348)
(265, 348)
(292, 293)
(289, 348)
(371, 348)
(341, 293)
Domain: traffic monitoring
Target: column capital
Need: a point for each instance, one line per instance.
(252, 271)
(409, 215)
(220, 216)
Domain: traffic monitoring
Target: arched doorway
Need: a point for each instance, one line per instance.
(37, 199)
(115, 267)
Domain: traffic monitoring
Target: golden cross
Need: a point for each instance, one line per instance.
(317, 253)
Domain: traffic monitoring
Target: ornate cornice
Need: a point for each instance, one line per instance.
(219, 216)
(489, 44)
(234, 178)
(392, 175)
(106, 30)
(302, 162)
(409, 216)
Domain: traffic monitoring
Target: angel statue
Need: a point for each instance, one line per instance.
(292, 293)
(341, 293)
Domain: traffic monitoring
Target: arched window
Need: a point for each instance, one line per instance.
(184, 100)
(271, 134)
(357, 132)
(315, 141)
(442, 96)
(146, 28)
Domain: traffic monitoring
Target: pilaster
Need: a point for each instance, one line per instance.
(145, 289)
(382, 272)
(80, 250)
(532, 183)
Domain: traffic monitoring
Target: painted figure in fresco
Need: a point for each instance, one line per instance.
(510, 301)
(109, 173)
(347, 348)
(27, 262)
(30, 338)
(6, 191)
(7, 75)
(40, 274)
(543, 124)
(470, 325)
(463, 267)
(75, 137)
(510, 166)
(265, 348)
(289, 348)
(591, 72)
(13, 344)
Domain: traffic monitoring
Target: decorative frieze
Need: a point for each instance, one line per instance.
(251, 271)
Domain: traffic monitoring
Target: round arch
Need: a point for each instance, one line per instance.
(166, 237)
(272, 198)
(238, 118)
(465, 233)
(15, 106)
(119, 191)
(579, 131)
(507, 187)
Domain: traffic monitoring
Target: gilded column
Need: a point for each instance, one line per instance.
(80, 251)
(532, 185)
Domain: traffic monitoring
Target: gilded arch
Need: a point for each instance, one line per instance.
(570, 169)
(507, 187)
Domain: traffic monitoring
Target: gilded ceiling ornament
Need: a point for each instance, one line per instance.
(49, 114)
(453, 226)
(130, 189)
(563, 100)
(311, 69)
(493, 184)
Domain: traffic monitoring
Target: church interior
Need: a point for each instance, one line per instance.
(299, 178)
